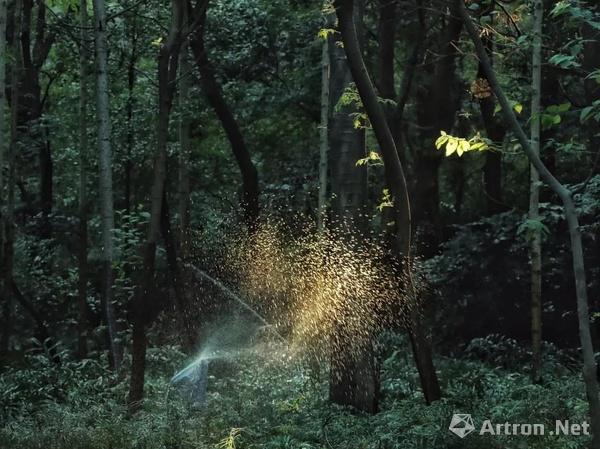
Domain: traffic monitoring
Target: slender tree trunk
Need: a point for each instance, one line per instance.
(168, 58)
(31, 120)
(353, 373)
(3, 125)
(323, 135)
(408, 76)
(8, 222)
(107, 218)
(535, 250)
(82, 325)
(420, 342)
(394, 174)
(214, 95)
(185, 129)
(131, 78)
(386, 37)
(177, 277)
(439, 103)
(589, 364)
(178, 270)
(6, 306)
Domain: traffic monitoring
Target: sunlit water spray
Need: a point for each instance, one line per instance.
(316, 292)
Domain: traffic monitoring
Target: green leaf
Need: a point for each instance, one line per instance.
(564, 61)
(586, 113)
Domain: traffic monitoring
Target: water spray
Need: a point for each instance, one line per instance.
(196, 372)
(230, 294)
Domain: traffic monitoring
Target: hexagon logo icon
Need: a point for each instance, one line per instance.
(461, 424)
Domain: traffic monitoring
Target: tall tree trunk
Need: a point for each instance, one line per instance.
(185, 130)
(3, 125)
(168, 58)
(386, 38)
(6, 308)
(107, 219)
(214, 95)
(131, 78)
(185, 135)
(353, 374)
(8, 221)
(589, 364)
(439, 102)
(396, 119)
(394, 175)
(178, 281)
(535, 250)
(323, 134)
(82, 325)
(31, 119)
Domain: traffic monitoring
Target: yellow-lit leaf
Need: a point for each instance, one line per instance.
(325, 32)
(441, 140)
(463, 145)
(157, 42)
(518, 108)
(451, 147)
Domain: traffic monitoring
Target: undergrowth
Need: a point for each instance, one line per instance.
(270, 401)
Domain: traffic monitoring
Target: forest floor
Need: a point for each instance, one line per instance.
(278, 401)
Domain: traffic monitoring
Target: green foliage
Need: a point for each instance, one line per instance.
(386, 200)
(486, 259)
(263, 401)
(531, 227)
(576, 11)
(591, 112)
(552, 115)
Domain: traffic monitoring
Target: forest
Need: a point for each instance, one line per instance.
(299, 224)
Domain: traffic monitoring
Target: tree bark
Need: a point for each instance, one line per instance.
(386, 38)
(107, 218)
(3, 127)
(178, 270)
(178, 278)
(394, 174)
(353, 374)
(535, 250)
(8, 221)
(439, 102)
(589, 364)
(82, 267)
(323, 135)
(131, 78)
(31, 105)
(214, 95)
(168, 58)
(185, 130)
